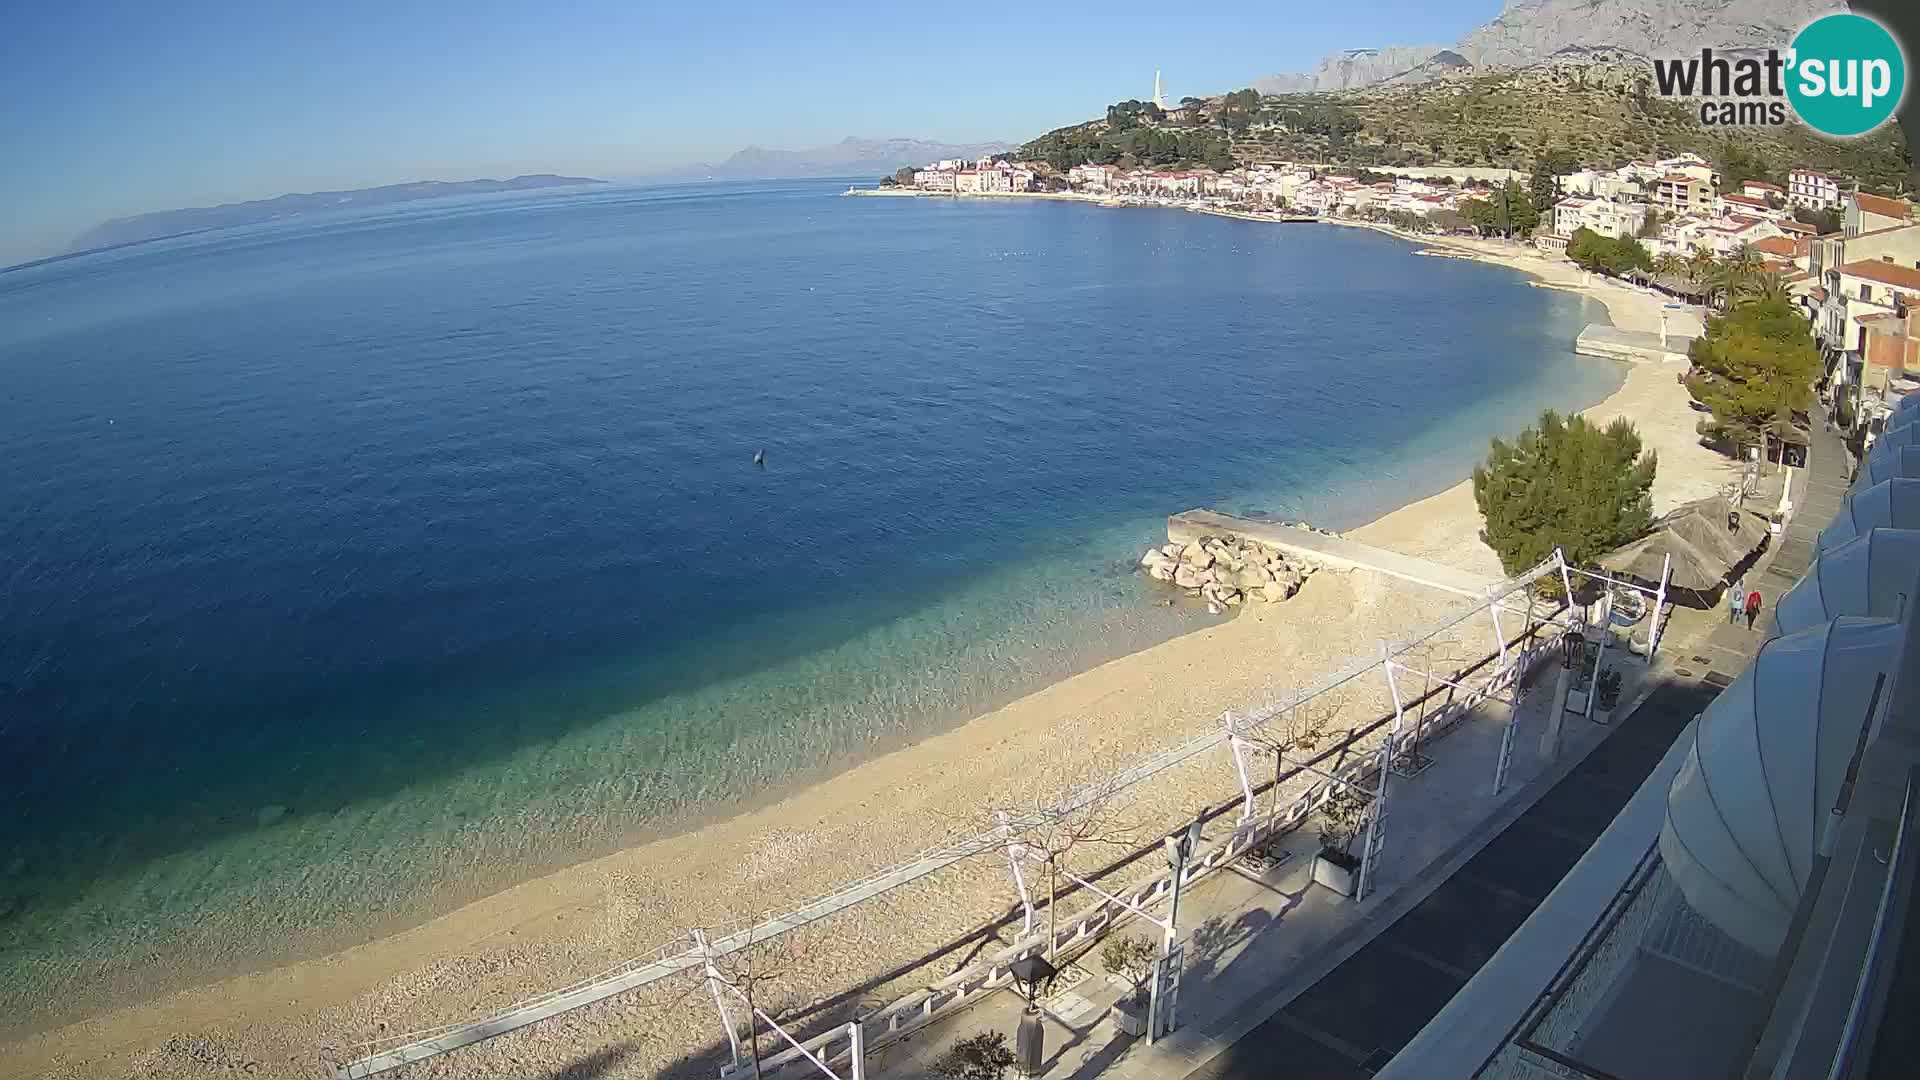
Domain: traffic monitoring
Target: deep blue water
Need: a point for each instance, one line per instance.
(352, 566)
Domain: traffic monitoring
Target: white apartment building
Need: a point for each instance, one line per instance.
(1817, 190)
(935, 179)
(1689, 165)
(1854, 275)
(1093, 177)
(1604, 216)
(1604, 184)
(1752, 206)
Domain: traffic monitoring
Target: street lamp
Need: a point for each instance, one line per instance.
(1029, 1040)
(1161, 1016)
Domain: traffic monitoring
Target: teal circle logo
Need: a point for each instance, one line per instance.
(1846, 75)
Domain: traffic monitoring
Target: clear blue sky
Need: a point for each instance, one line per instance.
(117, 108)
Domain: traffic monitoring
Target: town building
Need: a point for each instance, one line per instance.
(934, 179)
(1752, 205)
(1784, 255)
(1604, 216)
(1858, 277)
(1892, 349)
(1867, 213)
(1692, 166)
(1680, 193)
(1815, 190)
(1098, 178)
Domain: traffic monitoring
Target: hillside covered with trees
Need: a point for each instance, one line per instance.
(1602, 115)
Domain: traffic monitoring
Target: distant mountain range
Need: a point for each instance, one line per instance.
(849, 157)
(1528, 32)
(128, 230)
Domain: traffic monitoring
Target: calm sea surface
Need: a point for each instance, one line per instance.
(350, 568)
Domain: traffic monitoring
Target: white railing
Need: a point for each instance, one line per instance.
(963, 988)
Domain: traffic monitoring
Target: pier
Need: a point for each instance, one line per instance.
(1330, 552)
(1612, 343)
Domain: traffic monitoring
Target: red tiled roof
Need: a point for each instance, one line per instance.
(1874, 204)
(1777, 245)
(1747, 200)
(1763, 186)
(1802, 227)
(1903, 277)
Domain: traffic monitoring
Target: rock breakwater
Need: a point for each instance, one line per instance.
(1227, 571)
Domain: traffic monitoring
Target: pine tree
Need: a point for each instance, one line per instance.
(1753, 367)
(1564, 484)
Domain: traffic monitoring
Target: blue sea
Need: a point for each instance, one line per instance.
(355, 566)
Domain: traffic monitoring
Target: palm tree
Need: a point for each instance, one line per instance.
(1700, 266)
(1734, 279)
(1761, 287)
(1670, 265)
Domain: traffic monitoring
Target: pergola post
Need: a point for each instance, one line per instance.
(1393, 688)
(719, 999)
(1566, 579)
(1238, 747)
(1505, 761)
(1376, 826)
(1015, 852)
(1659, 605)
(1499, 637)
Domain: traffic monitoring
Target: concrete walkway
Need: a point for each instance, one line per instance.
(1817, 492)
(1336, 552)
(1612, 343)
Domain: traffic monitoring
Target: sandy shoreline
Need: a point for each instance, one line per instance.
(300, 1019)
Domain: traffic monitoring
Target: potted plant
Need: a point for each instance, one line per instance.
(1342, 816)
(1131, 960)
(1606, 690)
(985, 1056)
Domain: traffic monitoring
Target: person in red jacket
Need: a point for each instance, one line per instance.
(1753, 607)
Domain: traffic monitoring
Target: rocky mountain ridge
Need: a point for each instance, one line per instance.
(851, 156)
(1528, 32)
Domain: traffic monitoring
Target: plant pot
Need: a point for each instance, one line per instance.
(1130, 1015)
(1337, 871)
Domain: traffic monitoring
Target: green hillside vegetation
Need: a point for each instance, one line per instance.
(1602, 114)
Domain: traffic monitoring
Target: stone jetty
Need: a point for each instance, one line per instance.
(1227, 570)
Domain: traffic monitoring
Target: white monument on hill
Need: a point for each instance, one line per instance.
(1159, 96)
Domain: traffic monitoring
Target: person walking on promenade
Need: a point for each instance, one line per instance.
(1736, 598)
(1753, 607)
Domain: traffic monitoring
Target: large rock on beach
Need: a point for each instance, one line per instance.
(1227, 571)
(1196, 555)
